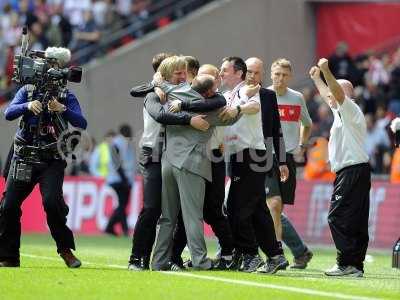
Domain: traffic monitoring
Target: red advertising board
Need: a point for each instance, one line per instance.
(91, 202)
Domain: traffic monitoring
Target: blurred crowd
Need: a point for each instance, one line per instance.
(81, 25)
(377, 90)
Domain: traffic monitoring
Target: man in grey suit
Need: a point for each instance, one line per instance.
(185, 166)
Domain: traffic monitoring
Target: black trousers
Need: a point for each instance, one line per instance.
(348, 214)
(212, 212)
(145, 229)
(50, 177)
(250, 219)
(123, 191)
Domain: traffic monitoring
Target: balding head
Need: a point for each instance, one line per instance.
(255, 71)
(212, 70)
(208, 69)
(347, 87)
(204, 84)
(256, 61)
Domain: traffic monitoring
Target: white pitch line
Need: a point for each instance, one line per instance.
(231, 281)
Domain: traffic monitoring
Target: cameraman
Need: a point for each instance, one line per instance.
(37, 130)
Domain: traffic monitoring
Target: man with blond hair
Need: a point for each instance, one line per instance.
(296, 127)
(185, 167)
(349, 210)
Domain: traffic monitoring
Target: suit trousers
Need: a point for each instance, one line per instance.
(250, 219)
(184, 190)
(146, 225)
(213, 214)
(348, 214)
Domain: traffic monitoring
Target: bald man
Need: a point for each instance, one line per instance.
(349, 210)
(273, 140)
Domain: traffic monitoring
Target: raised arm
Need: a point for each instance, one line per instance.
(315, 74)
(333, 85)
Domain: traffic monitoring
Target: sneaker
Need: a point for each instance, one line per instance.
(9, 263)
(237, 261)
(187, 264)
(179, 261)
(251, 263)
(272, 266)
(69, 258)
(172, 267)
(138, 264)
(302, 261)
(348, 271)
(223, 264)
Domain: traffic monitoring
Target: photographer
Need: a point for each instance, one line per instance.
(36, 160)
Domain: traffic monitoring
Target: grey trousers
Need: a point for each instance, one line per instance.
(184, 190)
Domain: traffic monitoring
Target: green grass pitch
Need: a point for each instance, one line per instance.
(104, 275)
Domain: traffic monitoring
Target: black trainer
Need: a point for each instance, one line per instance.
(139, 264)
(237, 261)
(9, 263)
(223, 264)
(173, 267)
(274, 264)
(251, 263)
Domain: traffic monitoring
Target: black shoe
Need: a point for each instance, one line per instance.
(179, 261)
(274, 264)
(139, 264)
(223, 264)
(69, 258)
(302, 261)
(251, 263)
(172, 267)
(187, 264)
(237, 261)
(9, 263)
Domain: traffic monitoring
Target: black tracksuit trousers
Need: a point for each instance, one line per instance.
(348, 214)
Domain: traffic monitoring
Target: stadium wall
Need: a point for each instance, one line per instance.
(268, 29)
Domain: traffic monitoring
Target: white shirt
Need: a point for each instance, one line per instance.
(247, 131)
(347, 136)
(151, 131)
(217, 137)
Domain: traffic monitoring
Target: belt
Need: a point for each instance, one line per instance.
(47, 152)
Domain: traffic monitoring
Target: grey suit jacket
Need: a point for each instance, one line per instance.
(186, 147)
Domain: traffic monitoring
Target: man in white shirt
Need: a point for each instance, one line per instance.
(250, 220)
(349, 210)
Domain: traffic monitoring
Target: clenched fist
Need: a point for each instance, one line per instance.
(323, 64)
(315, 73)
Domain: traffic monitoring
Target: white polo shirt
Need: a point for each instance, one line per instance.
(347, 136)
(247, 131)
